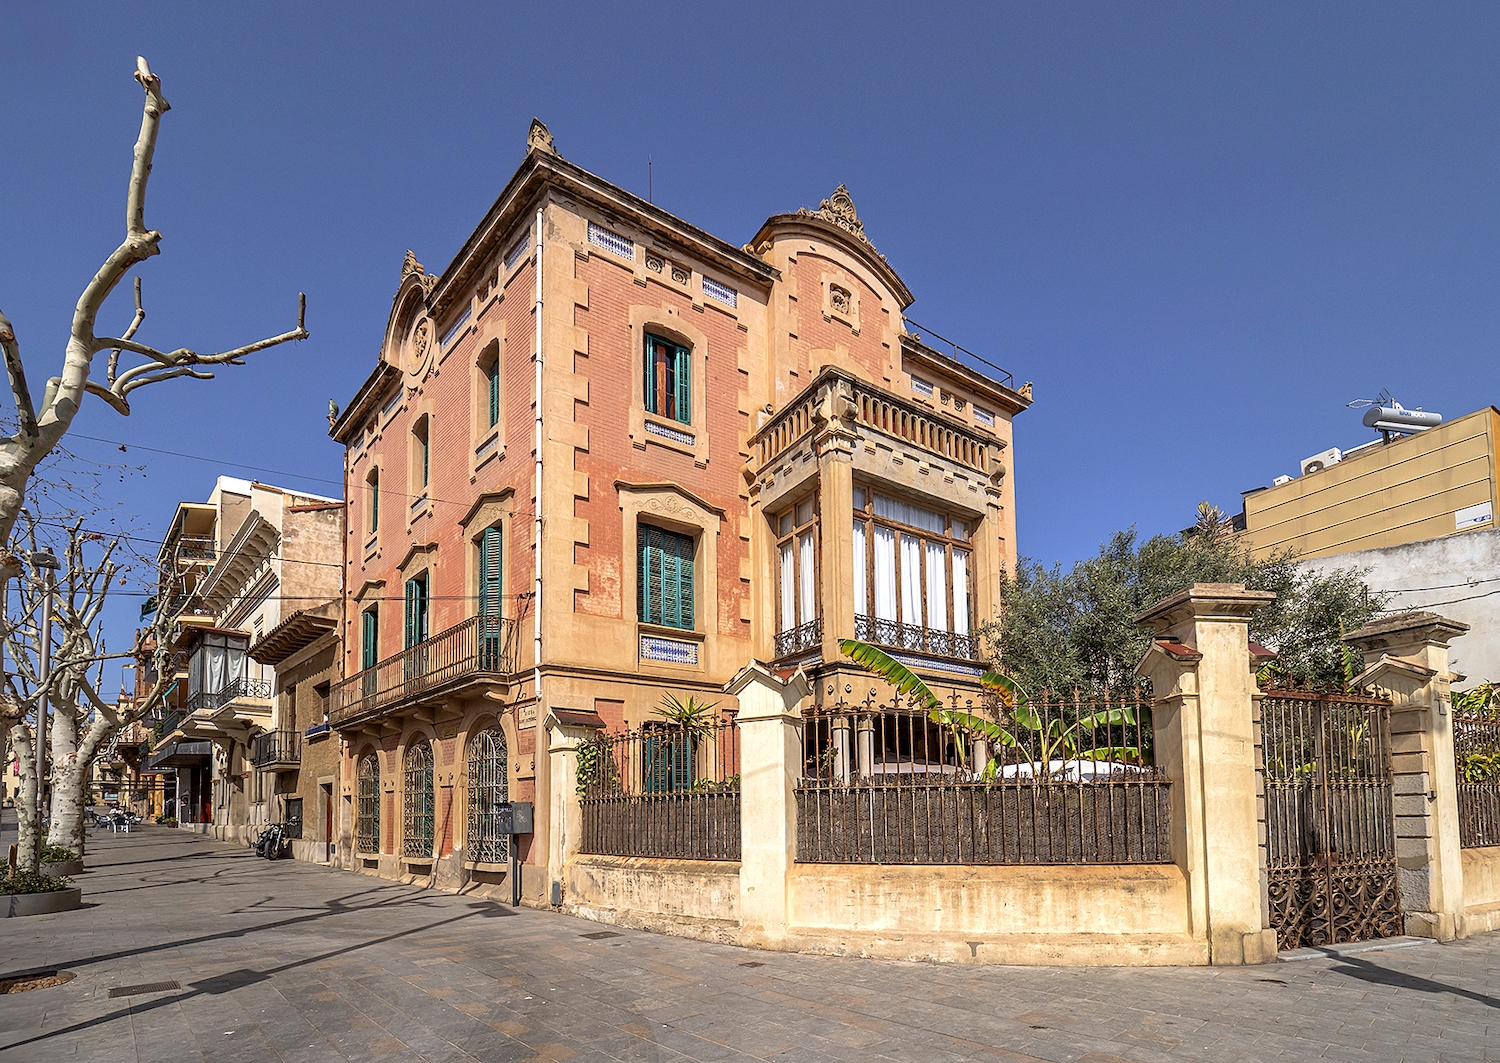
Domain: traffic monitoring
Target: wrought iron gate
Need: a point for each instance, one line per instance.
(1330, 820)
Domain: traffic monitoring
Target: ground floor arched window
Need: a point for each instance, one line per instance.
(417, 837)
(367, 808)
(489, 789)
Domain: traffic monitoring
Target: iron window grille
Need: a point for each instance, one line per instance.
(488, 789)
(417, 835)
(367, 810)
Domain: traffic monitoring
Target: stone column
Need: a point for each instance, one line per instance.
(835, 441)
(567, 729)
(770, 762)
(1406, 655)
(1203, 720)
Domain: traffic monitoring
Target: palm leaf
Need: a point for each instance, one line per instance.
(1010, 693)
(891, 670)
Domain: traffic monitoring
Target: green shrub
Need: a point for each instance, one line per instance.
(56, 854)
(168, 821)
(31, 882)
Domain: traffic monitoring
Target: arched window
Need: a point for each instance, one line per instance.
(416, 839)
(489, 788)
(367, 812)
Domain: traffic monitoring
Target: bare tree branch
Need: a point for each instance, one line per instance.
(17, 373)
(140, 316)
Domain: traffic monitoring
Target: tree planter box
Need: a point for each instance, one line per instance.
(18, 904)
(62, 868)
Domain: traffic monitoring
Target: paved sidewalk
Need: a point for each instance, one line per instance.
(295, 962)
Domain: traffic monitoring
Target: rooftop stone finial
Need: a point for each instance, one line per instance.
(839, 209)
(539, 138)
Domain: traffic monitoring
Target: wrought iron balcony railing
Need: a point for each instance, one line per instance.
(895, 635)
(479, 646)
(803, 637)
(235, 690)
(277, 749)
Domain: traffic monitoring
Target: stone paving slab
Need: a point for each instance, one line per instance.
(297, 963)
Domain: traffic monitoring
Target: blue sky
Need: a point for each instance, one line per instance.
(1199, 228)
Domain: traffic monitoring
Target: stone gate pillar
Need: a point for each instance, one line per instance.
(566, 730)
(1407, 656)
(770, 763)
(1204, 726)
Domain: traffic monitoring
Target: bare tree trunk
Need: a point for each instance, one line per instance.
(28, 821)
(68, 776)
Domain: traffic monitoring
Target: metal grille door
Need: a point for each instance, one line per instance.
(1330, 820)
(488, 790)
(367, 823)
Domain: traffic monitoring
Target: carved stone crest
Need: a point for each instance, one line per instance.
(839, 209)
(410, 265)
(421, 343)
(539, 138)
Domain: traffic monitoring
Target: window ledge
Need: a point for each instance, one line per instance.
(685, 634)
(479, 865)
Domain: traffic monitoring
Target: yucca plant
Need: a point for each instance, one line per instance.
(690, 713)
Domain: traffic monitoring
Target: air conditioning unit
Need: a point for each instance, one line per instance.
(1319, 462)
(1281, 480)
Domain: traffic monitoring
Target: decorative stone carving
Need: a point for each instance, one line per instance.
(679, 275)
(839, 209)
(671, 507)
(839, 297)
(539, 138)
(654, 264)
(1025, 391)
(421, 344)
(410, 265)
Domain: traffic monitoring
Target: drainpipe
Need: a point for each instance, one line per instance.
(536, 533)
(536, 527)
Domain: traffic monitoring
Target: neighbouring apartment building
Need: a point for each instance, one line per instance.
(229, 569)
(1414, 513)
(606, 456)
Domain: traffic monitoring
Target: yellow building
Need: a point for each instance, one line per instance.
(1436, 483)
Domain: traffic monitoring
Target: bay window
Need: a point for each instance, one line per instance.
(911, 575)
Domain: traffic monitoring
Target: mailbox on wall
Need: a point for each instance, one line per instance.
(514, 817)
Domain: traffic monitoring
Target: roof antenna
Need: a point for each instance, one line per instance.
(650, 189)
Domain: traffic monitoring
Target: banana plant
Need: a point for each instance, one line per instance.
(1040, 738)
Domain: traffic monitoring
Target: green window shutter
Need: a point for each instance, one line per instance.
(368, 638)
(494, 383)
(375, 504)
(685, 580)
(426, 454)
(416, 610)
(648, 384)
(683, 373)
(410, 614)
(489, 572)
(682, 762)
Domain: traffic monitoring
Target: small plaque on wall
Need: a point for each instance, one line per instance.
(526, 716)
(448, 732)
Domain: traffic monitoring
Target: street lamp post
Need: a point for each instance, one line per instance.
(45, 561)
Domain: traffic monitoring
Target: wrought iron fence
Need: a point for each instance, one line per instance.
(663, 790)
(1476, 748)
(900, 636)
(1052, 781)
(481, 644)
